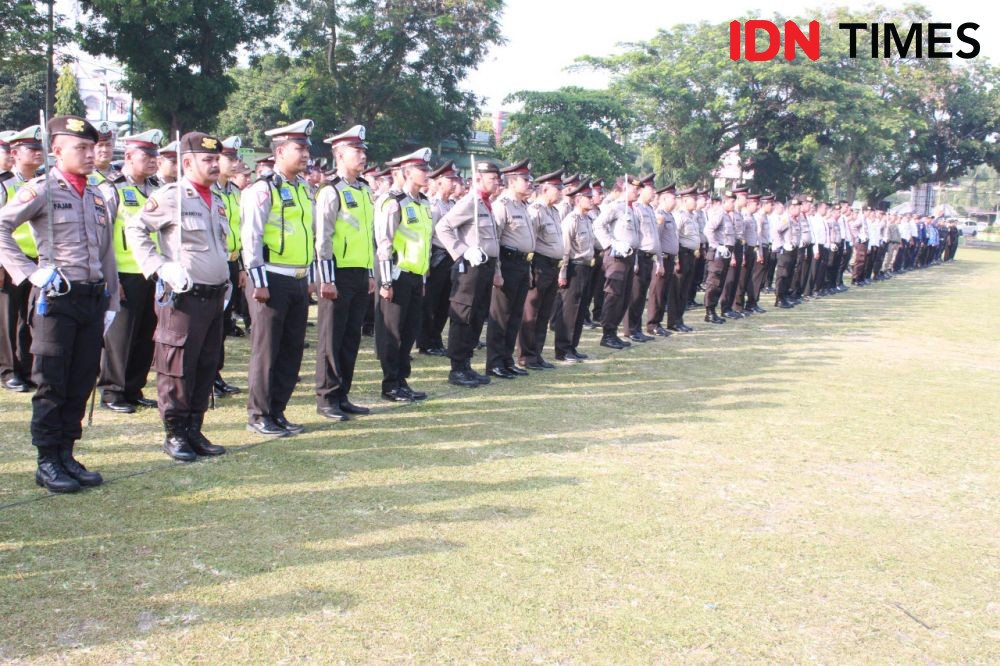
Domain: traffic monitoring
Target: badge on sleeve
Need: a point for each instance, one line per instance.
(26, 194)
(151, 205)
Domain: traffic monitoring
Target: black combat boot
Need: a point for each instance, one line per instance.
(51, 475)
(84, 476)
(199, 443)
(176, 444)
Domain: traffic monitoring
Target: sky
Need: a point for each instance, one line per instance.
(542, 40)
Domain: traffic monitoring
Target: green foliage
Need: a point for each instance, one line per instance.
(177, 53)
(569, 127)
(22, 95)
(68, 100)
(393, 67)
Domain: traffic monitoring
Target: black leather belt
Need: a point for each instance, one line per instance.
(583, 262)
(208, 290)
(648, 255)
(88, 289)
(511, 253)
(549, 261)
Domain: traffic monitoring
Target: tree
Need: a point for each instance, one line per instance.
(22, 95)
(177, 53)
(68, 100)
(392, 66)
(572, 127)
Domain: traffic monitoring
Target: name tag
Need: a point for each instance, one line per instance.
(411, 215)
(130, 198)
(62, 205)
(287, 199)
(349, 200)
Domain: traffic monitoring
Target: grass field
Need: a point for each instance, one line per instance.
(816, 485)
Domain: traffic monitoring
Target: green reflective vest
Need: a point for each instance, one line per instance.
(288, 233)
(22, 235)
(231, 199)
(354, 232)
(130, 203)
(412, 241)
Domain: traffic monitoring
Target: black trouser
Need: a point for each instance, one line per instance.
(659, 285)
(760, 272)
(685, 281)
(899, 259)
(770, 266)
(834, 260)
(277, 340)
(507, 311)
(15, 334)
(186, 355)
(744, 287)
(785, 271)
(870, 262)
(617, 284)
(718, 268)
(338, 329)
(65, 344)
(235, 303)
(397, 323)
(569, 326)
(820, 266)
(128, 344)
(700, 273)
(732, 278)
(595, 290)
(845, 261)
(469, 307)
(641, 277)
(803, 267)
(860, 256)
(538, 309)
(435, 303)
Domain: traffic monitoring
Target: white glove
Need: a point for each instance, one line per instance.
(621, 248)
(788, 247)
(723, 252)
(109, 316)
(474, 256)
(46, 278)
(176, 276)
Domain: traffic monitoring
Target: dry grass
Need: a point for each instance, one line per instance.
(813, 485)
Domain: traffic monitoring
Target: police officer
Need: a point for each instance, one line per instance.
(128, 346)
(745, 302)
(229, 192)
(104, 152)
(649, 260)
(166, 164)
(736, 263)
(516, 230)
(345, 250)
(661, 286)
(804, 258)
(546, 223)
(689, 241)
(702, 202)
(278, 249)
(765, 261)
(468, 231)
(617, 230)
(721, 233)
(785, 248)
(192, 263)
(77, 262)
(438, 287)
(403, 230)
(595, 291)
(575, 272)
(25, 147)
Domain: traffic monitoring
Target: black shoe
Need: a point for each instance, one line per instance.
(15, 384)
(501, 372)
(265, 425)
(784, 305)
(348, 407)
(399, 395)
(144, 402)
(196, 438)
(73, 467)
(225, 387)
(51, 475)
(582, 357)
(282, 422)
(713, 318)
(482, 379)
(416, 395)
(675, 328)
(176, 443)
(567, 358)
(732, 314)
(612, 342)
(685, 328)
(332, 412)
(659, 330)
(119, 406)
(515, 370)
(758, 309)
(460, 378)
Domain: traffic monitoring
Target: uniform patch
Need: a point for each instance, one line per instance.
(25, 194)
(151, 205)
(349, 200)
(262, 198)
(129, 198)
